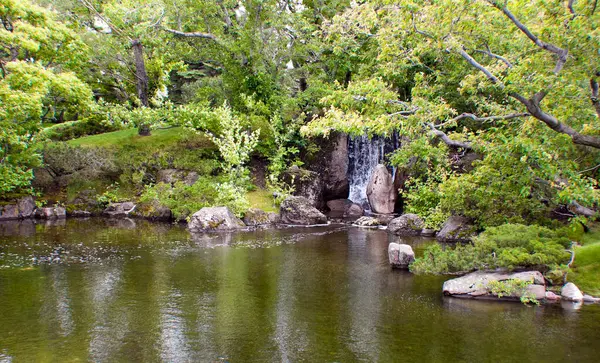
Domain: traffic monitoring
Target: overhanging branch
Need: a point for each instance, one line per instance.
(448, 141)
(191, 35)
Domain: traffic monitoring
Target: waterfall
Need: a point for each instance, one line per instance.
(364, 154)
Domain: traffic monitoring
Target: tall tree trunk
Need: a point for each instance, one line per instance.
(142, 82)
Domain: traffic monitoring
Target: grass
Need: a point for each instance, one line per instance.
(131, 137)
(262, 199)
(585, 272)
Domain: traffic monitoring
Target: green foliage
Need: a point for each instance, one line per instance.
(69, 130)
(513, 287)
(508, 246)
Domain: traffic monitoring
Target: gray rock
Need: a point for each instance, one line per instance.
(368, 222)
(21, 208)
(381, 192)
(406, 225)
(305, 183)
(171, 176)
(476, 284)
(590, 299)
(299, 210)
(80, 214)
(400, 255)
(344, 208)
(119, 210)
(335, 180)
(256, 217)
(550, 296)
(354, 211)
(274, 218)
(214, 219)
(51, 213)
(570, 292)
(456, 229)
(428, 232)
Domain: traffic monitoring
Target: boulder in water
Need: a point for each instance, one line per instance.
(214, 219)
(400, 255)
(306, 184)
(344, 208)
(477, 284)
(299, 210)
(368, 222)
(257, 217)
(117, 210)
(406, 225)
(571, 292)
(51, 213)
(456, 229)
(19, 209)
(381, 192)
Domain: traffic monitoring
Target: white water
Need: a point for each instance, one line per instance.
(364, 155)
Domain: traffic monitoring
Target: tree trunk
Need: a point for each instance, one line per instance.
(142, 82)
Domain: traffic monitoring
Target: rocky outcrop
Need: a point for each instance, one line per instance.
(381, 192)
(171, 176)
(570, 292)
(406, 225)
(331, 163)
(299, 210)
(119, 210)
(257, 217)
(51, 213)
(368, 222)
(344, 208)
(400, 255)
(477, 284)
(305, 183)
(19, 209)
(214, 219)
(456, 229)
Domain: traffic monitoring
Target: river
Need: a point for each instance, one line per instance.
(134, 291)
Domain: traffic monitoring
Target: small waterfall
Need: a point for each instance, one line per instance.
(364, 154)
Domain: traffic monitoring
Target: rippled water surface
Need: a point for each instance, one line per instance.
(123, 291)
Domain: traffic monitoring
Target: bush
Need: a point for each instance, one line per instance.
(74, 129)
(508, 246)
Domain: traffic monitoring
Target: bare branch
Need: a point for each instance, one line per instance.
(484, 119)
(492, 55)
(577, 208)
(191, 35)
(475, 64)
(448, 141)
(560, 52)
(112, 27)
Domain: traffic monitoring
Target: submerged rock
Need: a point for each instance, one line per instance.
(381, 192)
(214, 219)
(571, 292)
(456, 229)
(400, 255)
(406, 225)
(368, 222)
(299, 210)
(477, 284)
(51, 213)
(19, 209)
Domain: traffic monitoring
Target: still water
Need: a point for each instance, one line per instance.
(133, 291)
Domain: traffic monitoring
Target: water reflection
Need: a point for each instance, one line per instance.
(156, 293)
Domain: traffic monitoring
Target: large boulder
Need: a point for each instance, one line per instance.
(344, 208)
(400, 255)
(18, 209)
(368, 222)
(299, 210)
(571, 292)
(381, 192)
(119, 210)
(406, 225)
(51, 213)
(214, 219)
(306, 184)
(331, 163)
(477, 284)
(456, 229)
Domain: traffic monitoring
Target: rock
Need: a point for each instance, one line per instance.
(171, 176)
(428, 232)
(306, 184)
(274, 218)
(381, 192)
(570, 292)
(406, 225)
(331, 163)
(214, 219)
(590, 299)
(476, 284)
(256, 217)
(80, 214)
(400, 255)
(116, 210)
(456, 229)
(550, 296)
(51, 213)
(368, 222)
(345, 208)
(19, 209)
(299, 210)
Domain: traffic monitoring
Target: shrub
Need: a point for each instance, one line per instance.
(508, 246)
(74, 129)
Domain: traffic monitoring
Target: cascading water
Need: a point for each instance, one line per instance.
(364, 154)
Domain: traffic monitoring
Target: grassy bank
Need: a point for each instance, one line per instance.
(585, 271)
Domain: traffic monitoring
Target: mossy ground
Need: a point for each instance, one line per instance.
(131, 137)
(262, 199)
(585, 272)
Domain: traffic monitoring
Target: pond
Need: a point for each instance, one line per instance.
(133, 291)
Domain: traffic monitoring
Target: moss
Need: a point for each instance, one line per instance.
(262, 199)
(585, 272)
